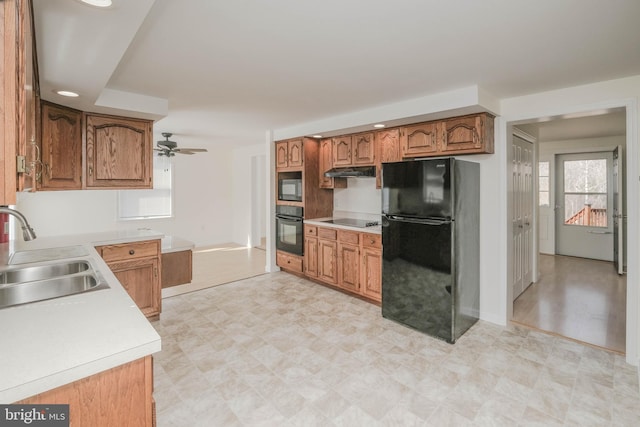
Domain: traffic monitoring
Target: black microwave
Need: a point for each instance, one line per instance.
(290, 189)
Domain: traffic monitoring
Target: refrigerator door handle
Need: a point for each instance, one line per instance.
(426, 221)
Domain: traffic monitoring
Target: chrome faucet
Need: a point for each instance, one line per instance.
(27, 231)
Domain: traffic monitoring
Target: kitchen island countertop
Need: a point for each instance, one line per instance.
(47, 344)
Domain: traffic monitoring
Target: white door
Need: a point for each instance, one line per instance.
(522, 214)
(618, 212)
(584, 205)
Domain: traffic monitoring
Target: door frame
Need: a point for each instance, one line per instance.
(504, 132)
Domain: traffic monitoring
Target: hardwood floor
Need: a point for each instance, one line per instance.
(216, 265)
(581, 299)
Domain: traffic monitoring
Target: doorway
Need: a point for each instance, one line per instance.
(563, 300)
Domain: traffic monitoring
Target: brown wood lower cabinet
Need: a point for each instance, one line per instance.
(371, 271)
(137, 267)
(177, 268)
(121, 396)
(289, 262)
(349, 260)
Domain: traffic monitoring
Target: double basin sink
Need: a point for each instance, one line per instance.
(37, 281)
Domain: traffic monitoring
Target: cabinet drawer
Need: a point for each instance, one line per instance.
(327, 233)
(349, 237)
(289, 262)
(129, 250)
(310, 230)
(370, 240)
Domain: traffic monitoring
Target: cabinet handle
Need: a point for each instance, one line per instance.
(90, 170)
(155, 271)
(132, 252)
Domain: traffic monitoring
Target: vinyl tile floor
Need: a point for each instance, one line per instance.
(278, 350)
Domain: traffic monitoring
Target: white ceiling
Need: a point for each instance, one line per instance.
(229, 70)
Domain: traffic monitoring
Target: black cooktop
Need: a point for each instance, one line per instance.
(361, 223)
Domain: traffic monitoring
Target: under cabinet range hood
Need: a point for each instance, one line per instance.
(351, 172)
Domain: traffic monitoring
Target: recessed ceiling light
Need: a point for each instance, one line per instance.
(317, 136)
(379, 125)
(98, 3)
(67, 93)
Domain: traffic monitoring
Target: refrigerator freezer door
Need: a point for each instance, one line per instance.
(420, 189)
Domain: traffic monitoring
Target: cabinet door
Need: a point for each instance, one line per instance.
(141, 279)
(327, 257)
(371, 285)
(363, 149)
(349, 267)
(342, 151)
(311, 256)
(419, 140)
(467, 135)
(388, 145)
(325, 162)
(296, 155)
(61, 148)
(282, 154)
(119, 152)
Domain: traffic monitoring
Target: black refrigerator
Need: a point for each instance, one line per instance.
(430, 245)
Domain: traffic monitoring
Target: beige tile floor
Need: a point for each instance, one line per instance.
(277, 350)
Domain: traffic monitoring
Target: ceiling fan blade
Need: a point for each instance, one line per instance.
(193, 150)
(183, 152)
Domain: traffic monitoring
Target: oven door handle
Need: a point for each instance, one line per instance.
(289, 218)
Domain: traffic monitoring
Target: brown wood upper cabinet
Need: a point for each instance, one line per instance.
(118, 153)
(469, 134)
(61, 149)
(289, 154)
(354, 150)
(419, 140)
(18, 100)
(388, 145)
(326, 163)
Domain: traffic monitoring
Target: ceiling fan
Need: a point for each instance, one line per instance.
(170, 148)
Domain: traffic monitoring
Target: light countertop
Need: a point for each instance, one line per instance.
(50, 343)
(376, 229)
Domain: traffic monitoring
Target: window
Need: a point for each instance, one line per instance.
(155, 203)
(543, 183)
(585, 192)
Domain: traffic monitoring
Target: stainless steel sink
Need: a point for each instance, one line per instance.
(42, 281)
(39, 272)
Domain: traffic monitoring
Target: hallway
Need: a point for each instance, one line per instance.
(581, 299)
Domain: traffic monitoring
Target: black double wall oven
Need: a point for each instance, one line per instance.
(289, 229)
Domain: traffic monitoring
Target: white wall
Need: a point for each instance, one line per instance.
(361, 199)
(201, 203)
(546, 153)
(243, 200)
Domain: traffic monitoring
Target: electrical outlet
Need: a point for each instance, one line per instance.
(21, 164)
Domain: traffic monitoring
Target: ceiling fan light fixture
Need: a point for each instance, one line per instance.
(98, 3)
